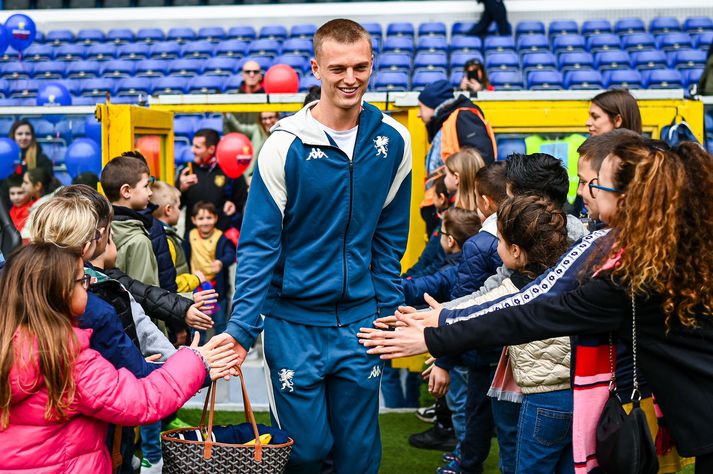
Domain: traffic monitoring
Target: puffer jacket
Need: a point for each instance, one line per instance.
(541, 366)
(32, 444)
(135, 254)
(480, 259)
(166, 269)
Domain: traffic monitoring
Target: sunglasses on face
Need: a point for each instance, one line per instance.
(250, 72)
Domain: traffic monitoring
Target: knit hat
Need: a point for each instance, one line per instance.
(436, 93)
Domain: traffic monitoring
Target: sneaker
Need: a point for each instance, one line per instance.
(135, 463)
(427, 414)
(448, 470)
(148, 468)
(177, 423)
(437, 437)
(452, 456)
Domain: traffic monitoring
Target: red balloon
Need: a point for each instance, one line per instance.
(281, 79)
(234, 153)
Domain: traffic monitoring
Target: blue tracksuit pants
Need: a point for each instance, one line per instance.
(326, 395)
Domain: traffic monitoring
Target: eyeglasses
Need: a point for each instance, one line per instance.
(98, 233)
(85, 281)
(443, 232)
(152, 180)
(593, 186)
(250, 72)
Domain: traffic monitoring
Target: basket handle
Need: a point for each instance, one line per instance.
(249, 416)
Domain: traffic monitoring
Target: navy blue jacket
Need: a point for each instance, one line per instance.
(225, 252)
(110, 340)
(438, 284)
(157, 234)
(323, 235)
(480, 261)
(431, 260)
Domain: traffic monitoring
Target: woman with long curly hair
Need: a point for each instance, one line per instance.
(660, 204)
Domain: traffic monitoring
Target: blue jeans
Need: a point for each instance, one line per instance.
(394, 393)
(506, 416)
(457, 399)
(544, 443)
(151, 442)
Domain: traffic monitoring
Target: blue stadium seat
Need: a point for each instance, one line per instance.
(72, 85)
(232, 84)
(232, 48)
(58, 37)
(690, 59)
(299, 46)
(628, 78)
(4, 92)
(306, 31)
(430, 62)
(242, 33)
(638, 42)
(707, 125)
(8, 102)
(596, 27)
(499, 43)
(563, 27)
(455, 77)
(654, 59)
(198, 50)
(166, 50)
(10, 55)
(44, 129)
(627, 26)
(126, 99)
(466, 43)
(97, 87)
(603, 42)
(612, 60)
(181, 34)
(170, 85)
(703, 40)
(709, 146)
(432, 28)
(273, 32)
(206, 85)
(101, 52)
(423, 78)
(213, 34)
(134, 51)
(49, 70)
(220, 66)
(152, 68)
(386, 81)
(698, 24)
(663, 79)
(179, 148)
(458, 59)
(18, 70)
(90, 36)
(583, 80)
(134, 86)
(544, 80)
(264, 47)
(264, 61)
(38, 52)
(530, 28)
(398, 44)
(6, 125)
(674, 41)
(538, 61)
(506, 61)
(575, 61)
(431, 44)
(299, 63)
(69, 52)
(214, 123)
(39, 37)
(150, 35)
(185, 67)
(23, 89)
(692, 76)
(461, 28)
(532, 43)
(664, 24)
(117, 68)
(568, 43)
(308, 81)
(394, 62)
(508, 146)
(375, 45)
(507, 80)
(120, 35)
(400, 29)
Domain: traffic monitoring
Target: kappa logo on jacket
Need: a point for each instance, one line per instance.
(375, 372)
(286, 376)
(381, 144)
(316, 154)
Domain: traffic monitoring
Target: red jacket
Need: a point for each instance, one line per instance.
(32, 444)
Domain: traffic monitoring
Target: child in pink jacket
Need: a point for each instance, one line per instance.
(57, 395)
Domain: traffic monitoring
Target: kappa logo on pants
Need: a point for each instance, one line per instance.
(286, 376)
(375, 372)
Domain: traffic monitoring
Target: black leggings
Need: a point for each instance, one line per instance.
(704, 464)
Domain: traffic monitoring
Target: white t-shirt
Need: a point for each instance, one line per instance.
(345, 139)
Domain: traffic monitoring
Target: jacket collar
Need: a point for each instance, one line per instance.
(490, 224)
(444, 111)
(122, 213)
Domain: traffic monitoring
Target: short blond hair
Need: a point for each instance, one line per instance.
(163, 195)
(67, 222)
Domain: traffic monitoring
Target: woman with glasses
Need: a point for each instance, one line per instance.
(655, 271)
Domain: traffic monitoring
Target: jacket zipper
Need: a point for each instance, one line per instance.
(346, 232)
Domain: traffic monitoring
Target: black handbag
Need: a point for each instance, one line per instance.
(624, 443)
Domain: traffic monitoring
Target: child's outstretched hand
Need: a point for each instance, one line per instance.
(205, 297)
(197, 319)
(219, 354)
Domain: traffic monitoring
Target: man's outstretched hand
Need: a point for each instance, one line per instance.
(240, 351)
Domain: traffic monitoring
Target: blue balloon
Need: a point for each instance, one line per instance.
(21, 31)
(9, 156)
(83, 154)
(4, 39)
(53, 94)
(93, 128)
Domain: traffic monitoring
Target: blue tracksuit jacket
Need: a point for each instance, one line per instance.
(323, 235)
